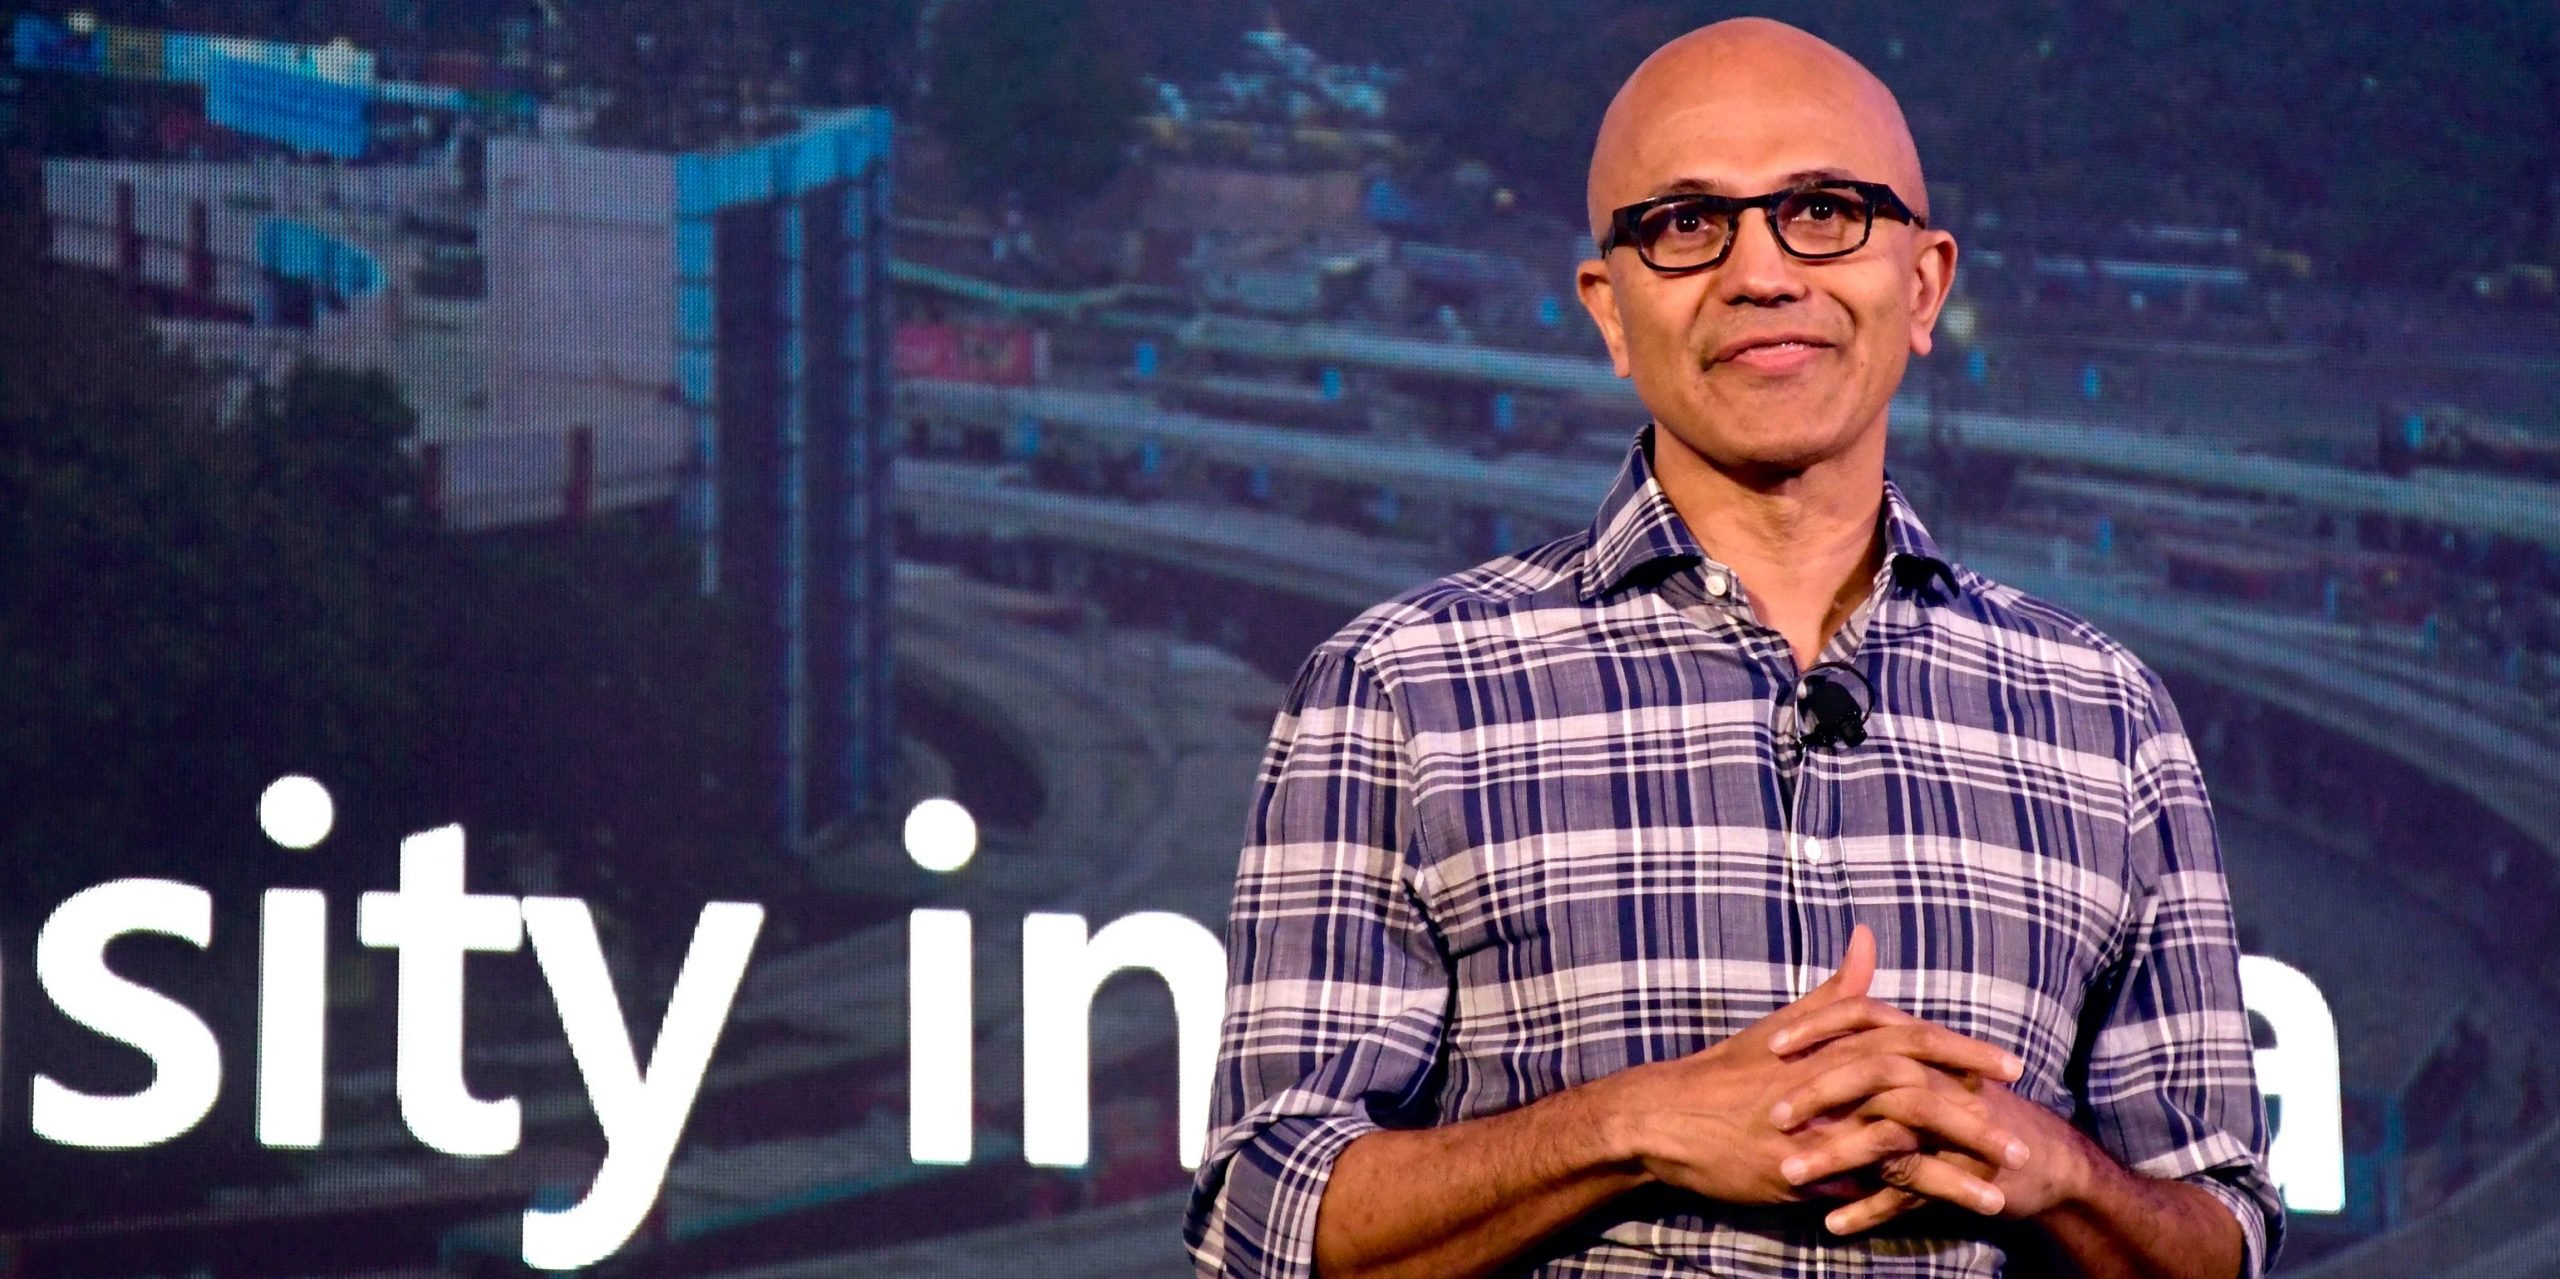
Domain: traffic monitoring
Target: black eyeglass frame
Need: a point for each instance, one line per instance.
(1881, 202)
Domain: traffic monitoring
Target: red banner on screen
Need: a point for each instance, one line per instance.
(996, 354)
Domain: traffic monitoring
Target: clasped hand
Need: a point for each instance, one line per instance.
(1840, 1097)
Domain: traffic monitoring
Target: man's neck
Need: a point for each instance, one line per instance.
(1806, 544)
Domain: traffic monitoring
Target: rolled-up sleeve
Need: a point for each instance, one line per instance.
(1337, 990)
(2171, 1080)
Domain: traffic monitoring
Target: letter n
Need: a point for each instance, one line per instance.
(1061, 969)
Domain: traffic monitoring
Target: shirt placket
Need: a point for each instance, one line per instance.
(1818, 900)
(1816, 895)
(1819, 911)
(1821, 905)
(1826, 912)
(1710, 595)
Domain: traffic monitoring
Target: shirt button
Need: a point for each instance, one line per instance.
(1812, 850)
(1717, 585)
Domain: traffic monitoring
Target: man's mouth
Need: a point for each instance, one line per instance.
(1773, 354)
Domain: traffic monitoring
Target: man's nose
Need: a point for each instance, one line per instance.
(1757, 272)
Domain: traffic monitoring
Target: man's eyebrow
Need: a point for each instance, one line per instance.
(1710, 186)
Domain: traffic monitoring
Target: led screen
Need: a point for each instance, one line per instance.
(636, 634)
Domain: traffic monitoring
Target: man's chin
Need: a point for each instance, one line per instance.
(1786, 431)
(1763, 455)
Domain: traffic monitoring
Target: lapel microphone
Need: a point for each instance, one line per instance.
(1836, 710)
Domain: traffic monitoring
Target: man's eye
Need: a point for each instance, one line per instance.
(1676, 222)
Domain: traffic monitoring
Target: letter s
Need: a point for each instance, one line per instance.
(71, 964)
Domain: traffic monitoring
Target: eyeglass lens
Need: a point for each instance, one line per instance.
(1810, 224)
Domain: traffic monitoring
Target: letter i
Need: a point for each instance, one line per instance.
(293, 996)
(941, 1001)
(942, 998)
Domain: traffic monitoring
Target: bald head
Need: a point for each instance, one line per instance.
(1748, 101)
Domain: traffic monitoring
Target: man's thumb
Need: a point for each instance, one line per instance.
(1857, 968)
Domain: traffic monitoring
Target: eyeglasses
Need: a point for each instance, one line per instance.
(1678, 234)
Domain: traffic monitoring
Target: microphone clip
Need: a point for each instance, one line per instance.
(1837, 712)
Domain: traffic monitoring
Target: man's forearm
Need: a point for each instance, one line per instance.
(1456, 1202)
(2122, 1225)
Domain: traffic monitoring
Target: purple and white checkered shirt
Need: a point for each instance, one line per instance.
(1523, 826)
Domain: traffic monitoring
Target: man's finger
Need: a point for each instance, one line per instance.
(1872, 1211)
(1837, 1016)
(1860, 1030)
(1849, 1146)
(1938, 1121)
(1927, 1174)
(1899, 1122)
(1956, 1126)
(1847, 1083)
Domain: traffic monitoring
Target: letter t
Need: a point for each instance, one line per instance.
(432, 923)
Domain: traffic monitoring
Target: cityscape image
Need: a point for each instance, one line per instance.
(635, 635)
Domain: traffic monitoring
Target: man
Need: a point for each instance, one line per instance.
(1546, 857)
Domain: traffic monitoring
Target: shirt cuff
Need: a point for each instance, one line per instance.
(1261, 1222)
(2252, 1218)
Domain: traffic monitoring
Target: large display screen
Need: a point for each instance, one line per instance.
(634, 635)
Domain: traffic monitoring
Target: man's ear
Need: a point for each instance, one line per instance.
(1600, 297)
(1933, 280)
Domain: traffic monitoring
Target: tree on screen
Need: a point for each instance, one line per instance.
(1035, 98)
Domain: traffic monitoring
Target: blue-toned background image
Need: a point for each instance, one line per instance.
(634, 634)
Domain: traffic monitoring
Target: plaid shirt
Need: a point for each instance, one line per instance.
(1522, 827)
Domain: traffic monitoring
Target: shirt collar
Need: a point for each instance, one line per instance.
(1637, 527)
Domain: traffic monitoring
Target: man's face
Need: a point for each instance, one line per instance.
(1767, 363)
